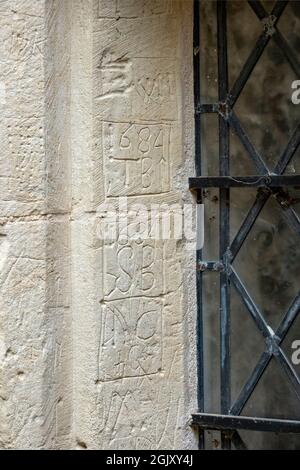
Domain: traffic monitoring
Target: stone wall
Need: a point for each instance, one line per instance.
(97, 336)
(34, 312)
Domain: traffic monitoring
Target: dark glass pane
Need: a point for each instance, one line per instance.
(211, 224)
(268, 262)
(274, 396)
(241, 41)
(208, 51)
(270, 441)
(269, 259)
(268, 5)
(247, 345)
(240, 203)
(265, 107)
(211, 342)
(210, 144)
(289, 25)
(241, 164)
(294, 166)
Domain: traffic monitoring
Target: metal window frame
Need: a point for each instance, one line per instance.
(269, 183)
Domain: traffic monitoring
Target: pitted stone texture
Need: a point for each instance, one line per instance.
(31, 325)
(22, 39)
(35, 338)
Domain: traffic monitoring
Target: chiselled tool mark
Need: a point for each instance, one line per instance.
(115, 76)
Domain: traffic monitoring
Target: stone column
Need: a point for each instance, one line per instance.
(129, 339)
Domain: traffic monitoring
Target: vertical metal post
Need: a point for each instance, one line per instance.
(199, 280)
(224, 168)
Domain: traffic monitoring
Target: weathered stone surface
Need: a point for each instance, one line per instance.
(128, 295)
(96, 99)
(33, 315)
(35, 336)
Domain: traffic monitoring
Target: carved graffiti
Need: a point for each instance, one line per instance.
(136, 88)
(136, 158)
(133, 269)
(156, 89)
(130, 338)
(137, 371)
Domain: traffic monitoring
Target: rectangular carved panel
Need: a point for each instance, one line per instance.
(136, 158)
(130, 338)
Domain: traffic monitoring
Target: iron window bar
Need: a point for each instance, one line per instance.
(265, 181)
(225, 422)
(269, 184)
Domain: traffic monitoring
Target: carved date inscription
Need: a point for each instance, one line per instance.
(136, 158)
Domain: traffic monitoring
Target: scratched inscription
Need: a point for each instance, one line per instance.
(130, 344)
(136, 158)
(133, 269)
(154, 88)
(136, 88)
